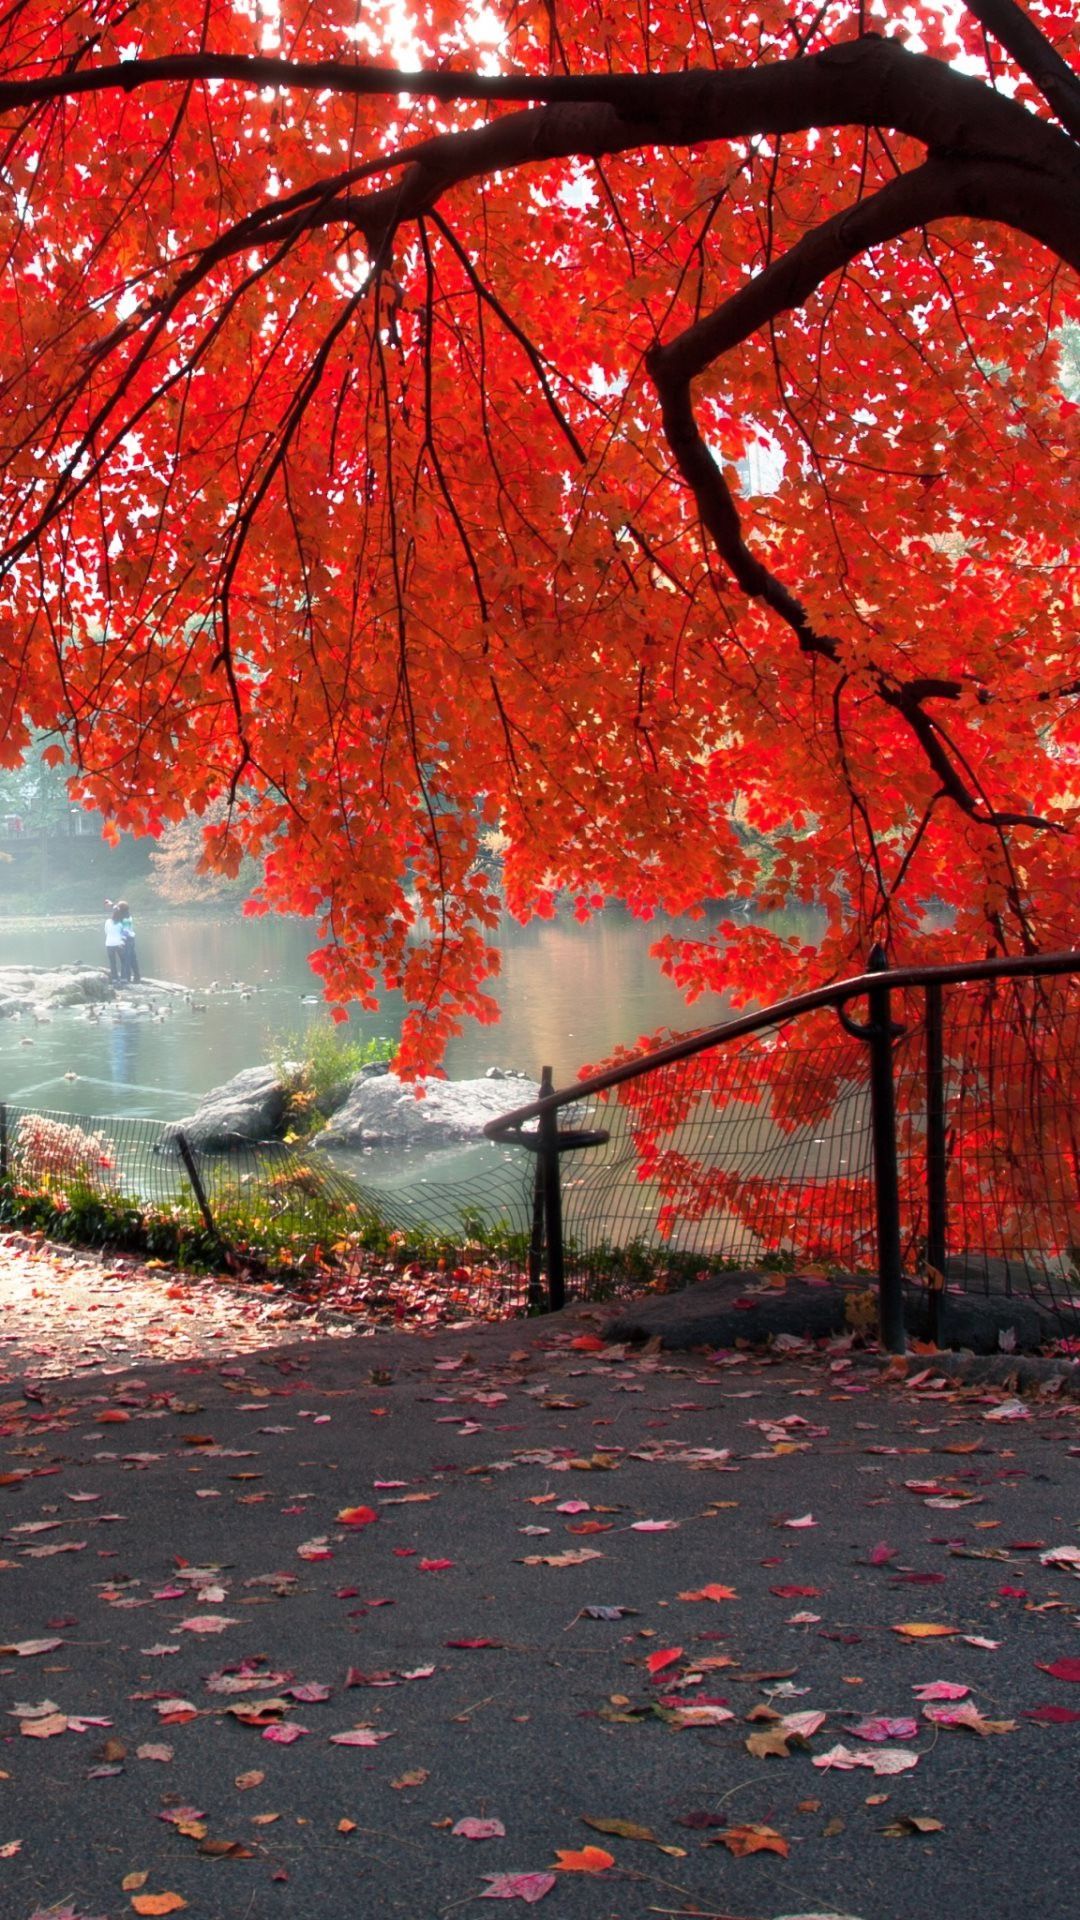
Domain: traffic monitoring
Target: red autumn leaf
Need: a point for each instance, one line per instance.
(713, 1592)
(663, 1658)
(1052, 1716)
(1067, 1668)
(529, 1887)
(357, 1516)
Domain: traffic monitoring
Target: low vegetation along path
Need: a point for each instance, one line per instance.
(398, 1624)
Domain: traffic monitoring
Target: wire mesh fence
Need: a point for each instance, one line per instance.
(281, 1208)
(758, 1149)
(752, 1150)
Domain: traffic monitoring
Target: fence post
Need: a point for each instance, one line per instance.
(536, 1238)
(880, 1034)
(194, 1176)
(548, 1169)
(937, 1199)
(4, 1155)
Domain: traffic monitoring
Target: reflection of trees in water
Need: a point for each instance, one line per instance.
(124, 1041)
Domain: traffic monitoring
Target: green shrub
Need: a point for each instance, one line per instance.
(316, 1064)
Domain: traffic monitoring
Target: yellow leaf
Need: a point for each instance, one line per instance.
(925, 1630)
(159, 1903)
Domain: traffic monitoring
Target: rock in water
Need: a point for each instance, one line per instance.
(383, 1111)
(249, 1107)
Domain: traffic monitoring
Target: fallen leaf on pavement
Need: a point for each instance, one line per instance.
(883, 1760)
(529, 1887)
(906, 1823)
(623, 1829)
(752, 1839)
(583, 1860)
(663, 1657)
(574, 1557)
(1066, 1669)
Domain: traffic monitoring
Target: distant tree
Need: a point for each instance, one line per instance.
(370, 441)
(179, 873)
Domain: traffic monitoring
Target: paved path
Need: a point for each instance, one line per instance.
(535, 1584)
(64, 1310)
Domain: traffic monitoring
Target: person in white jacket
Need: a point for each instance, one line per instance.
(114, 943)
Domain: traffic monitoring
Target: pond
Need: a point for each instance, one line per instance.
(569, 993)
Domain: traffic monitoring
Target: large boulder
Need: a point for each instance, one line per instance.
(382, 1111)
(23, 989)
(248, 1108)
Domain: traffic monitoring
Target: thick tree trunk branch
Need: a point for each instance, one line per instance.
(1055, 79)
(864, 82)
(934, 191)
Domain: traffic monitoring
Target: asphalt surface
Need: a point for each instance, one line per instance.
(832, 1506)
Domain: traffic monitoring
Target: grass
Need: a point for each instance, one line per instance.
(316, 1065)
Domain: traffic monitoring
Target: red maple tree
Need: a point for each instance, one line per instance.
(640, 432)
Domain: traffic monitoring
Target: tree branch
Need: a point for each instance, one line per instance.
(1043, 64)
(931, 192)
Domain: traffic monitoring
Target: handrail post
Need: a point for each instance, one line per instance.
(536, 1237)
(5, 1156)
(880, 1035)
(937, 1197)
(548, 1168)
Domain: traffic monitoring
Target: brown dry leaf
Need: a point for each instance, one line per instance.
(414, 1778)
(808, 1806)
(750, 1839)
(191, 1829)
(264, 1819)
(622, 1829)
(907, 1823)
(156, 1903)
(226, 1850)
(832, 1828)
(574, 1557)
(131, 1882)
(254, 1778)
(770, 1743)
(44, 1728)
(346, 1826)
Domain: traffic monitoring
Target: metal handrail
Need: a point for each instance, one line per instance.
(880, 1033)
(506, 1125)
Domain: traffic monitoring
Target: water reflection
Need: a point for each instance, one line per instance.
(124, 1040)
(569, 994)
